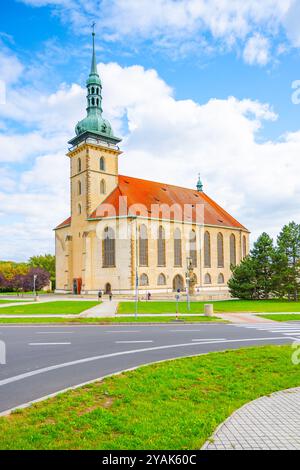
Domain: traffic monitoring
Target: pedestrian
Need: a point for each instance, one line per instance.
(110, 296)
(149, 295)
(100, 295)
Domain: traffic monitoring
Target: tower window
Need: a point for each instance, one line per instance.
(79, 209)
(79, 165)
(102, 164)
(93, 90)
(79, 188)
(93, 101)
(102, 187)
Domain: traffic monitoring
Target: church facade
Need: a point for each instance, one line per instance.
(126, 234)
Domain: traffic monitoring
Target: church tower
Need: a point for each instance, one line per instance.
(93, 154)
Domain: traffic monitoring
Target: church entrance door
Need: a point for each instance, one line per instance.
(107, 288)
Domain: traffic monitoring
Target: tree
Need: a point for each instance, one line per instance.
(288, 256)
(243, 281)
(262, 256)
(46, 262)
(42, 279)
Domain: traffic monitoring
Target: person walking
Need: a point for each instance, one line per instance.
(110, 296)
(100, 295)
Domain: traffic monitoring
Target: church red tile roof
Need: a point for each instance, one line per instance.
(151, 194)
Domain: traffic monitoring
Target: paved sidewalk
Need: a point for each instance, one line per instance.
(243, 318)
(268, 423)
(105, 309)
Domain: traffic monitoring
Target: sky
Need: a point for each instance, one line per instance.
(209, 86)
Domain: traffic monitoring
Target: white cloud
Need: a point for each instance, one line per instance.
(165, 139)
(257, 50)
(181, 25)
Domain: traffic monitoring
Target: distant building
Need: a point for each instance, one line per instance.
(125, 232)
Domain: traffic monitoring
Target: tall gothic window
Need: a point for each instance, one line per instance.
(193, 248)
(79, 188)
(232, 244)
(109, 248)
(102, 187)
(177, 248)
(144, 281)
(207, 250)
(102, 164)
(220, 247)
(79, 165)
(143, 246)
(161, 281)
(244, 247)
(161, 247)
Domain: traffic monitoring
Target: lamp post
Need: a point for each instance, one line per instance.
(188, 263)
(34, 290)
(136, 269)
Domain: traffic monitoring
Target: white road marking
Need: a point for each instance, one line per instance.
(185, 331)
(47, 344)
(210, 339)
(131, 342)
(123, 331)
(26, 375)
(53, 332)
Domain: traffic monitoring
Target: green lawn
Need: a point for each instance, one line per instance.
(234, 306)
(287, 317)
(60, 307)
(172, 405)
(12, 301)
(103, 321)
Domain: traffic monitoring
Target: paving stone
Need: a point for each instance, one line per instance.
(271, 422)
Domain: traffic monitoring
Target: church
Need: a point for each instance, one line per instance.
(128, 235)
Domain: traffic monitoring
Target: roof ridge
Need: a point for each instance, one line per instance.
(159, 182)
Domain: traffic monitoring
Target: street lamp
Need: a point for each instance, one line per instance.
(34, 290)
(187, 276)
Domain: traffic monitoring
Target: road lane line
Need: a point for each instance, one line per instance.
(47, 344)
(26, 375)
(133, 342)
(122, 331)
(210, 339)
(53, 332)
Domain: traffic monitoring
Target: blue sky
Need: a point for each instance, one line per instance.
(190, 87)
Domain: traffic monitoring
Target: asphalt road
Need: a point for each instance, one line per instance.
(42, 360)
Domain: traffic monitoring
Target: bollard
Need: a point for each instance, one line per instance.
(208, 310)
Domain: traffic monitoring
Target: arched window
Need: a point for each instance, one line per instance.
(79, 188)
(102, 187)
(102, 164)
(97, 101)
(207, 250)
(193, 248)
(97, 91)
(144, 281)
(161, 247)
(93, 101)
(177, 248)
(220, 245)
(244, 247)
(232, 244)
(207, 279)
(79, 209)
(79, 165)
(161, 281)
(221, 279)
(109, 248)
(93, 90)
(143, 246)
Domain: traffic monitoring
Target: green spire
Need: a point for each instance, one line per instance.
(199, 184)
(94, 122)
(94, 70)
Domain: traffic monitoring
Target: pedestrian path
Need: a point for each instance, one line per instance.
(268, 423)
(105, 309)
(243, 318)
(291, 330)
